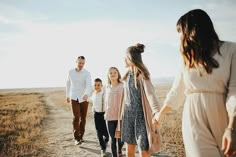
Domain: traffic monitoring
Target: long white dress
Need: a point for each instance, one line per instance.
(208, 101)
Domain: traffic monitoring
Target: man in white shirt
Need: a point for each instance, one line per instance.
(78, 88)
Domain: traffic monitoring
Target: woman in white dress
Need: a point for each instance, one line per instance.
(206, 85)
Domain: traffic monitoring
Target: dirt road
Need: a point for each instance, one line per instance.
(58, 131)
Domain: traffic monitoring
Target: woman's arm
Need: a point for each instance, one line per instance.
(174, 99)
(232, 122)
(159, 116)
(229, 138)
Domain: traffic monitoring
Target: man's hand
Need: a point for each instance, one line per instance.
(85, 98)
(68, 100)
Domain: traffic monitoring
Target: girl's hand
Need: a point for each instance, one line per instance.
(229, 142)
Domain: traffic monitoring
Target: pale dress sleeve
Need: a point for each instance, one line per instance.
(231, 96)
(176, 97)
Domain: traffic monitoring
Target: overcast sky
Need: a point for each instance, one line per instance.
(41, 39)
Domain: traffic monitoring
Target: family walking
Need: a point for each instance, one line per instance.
(128, 105)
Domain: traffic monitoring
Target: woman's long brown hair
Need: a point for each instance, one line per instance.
(199, 40)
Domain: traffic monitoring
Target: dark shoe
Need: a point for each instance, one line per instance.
(78, 142)
(120, 153)
(82, 140)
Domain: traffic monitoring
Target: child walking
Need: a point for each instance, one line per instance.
(140, 107)
(97, 100)
(113, 99)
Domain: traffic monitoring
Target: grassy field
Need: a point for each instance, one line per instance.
(20, 124)
(22, 115)
(171, 127)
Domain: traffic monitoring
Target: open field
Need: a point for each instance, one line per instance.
(20, 123)
(171, 127)
(37, 122)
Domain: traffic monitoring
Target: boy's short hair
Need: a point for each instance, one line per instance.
(98, 80)
(81, 57)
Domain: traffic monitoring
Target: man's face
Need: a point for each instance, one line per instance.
(80, 63)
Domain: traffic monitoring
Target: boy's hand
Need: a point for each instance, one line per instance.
(68, 100)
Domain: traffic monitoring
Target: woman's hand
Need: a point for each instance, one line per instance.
(229, 142)
(158, 117)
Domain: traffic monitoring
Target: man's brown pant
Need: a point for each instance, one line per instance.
(79, 120)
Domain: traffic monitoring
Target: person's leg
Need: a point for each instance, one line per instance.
(98, 119)
(111, 129)
(199, 134)
(83, 113)
(144, 154)
(76, 118)
(141, 135)
(130, 150)
(104, 129)
(120, 145)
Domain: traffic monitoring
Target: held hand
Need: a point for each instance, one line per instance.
(68, 100)
(229, 142)
(85, 97)
(157, 118)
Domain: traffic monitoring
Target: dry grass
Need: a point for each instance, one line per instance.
(171, 127)
(58, 97)
(20, 123)
(21, 115)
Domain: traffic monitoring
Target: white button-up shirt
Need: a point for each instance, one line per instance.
(97, 100)
(78, 84)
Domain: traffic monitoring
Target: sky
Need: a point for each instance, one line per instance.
(41, 39)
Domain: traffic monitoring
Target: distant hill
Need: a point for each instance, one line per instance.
(163, 80)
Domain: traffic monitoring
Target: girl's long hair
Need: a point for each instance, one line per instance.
(199, 40)
(133, 54)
